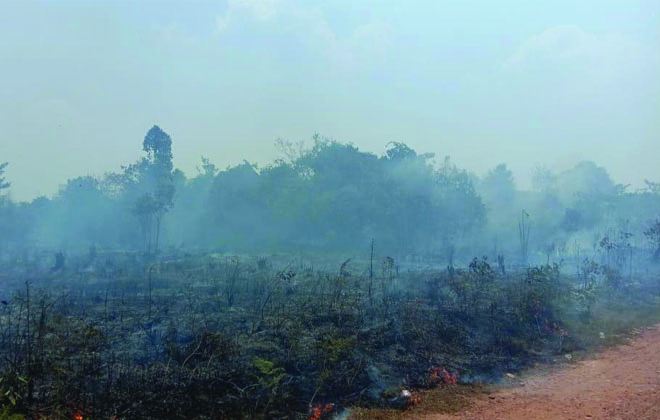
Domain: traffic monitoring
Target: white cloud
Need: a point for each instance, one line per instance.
(259, 10)
(310, 25)
(558, 43)
(595, 59)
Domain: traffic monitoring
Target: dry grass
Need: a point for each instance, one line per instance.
(445, 399)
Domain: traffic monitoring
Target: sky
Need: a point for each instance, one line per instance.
(527, 83)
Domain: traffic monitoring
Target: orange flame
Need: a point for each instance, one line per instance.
(78, 416)
(414, 399)
(440, 375)
(319, 410)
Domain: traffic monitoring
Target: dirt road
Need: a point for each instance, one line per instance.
(621, 383)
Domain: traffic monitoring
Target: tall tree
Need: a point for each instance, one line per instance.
(5, 206)
(653, 235)
(158, 146)
(3, 184)
(156, 178)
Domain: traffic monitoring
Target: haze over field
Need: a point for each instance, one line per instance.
(313, 210)
(484, 82)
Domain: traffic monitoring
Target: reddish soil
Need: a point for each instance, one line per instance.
(620, 383)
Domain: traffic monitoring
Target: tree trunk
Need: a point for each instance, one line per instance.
(157, 233)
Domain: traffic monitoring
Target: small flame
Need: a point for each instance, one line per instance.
(78, 416)
(319, 410)
(414, 398)
(440, 375)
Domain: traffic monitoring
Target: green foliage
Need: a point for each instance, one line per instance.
(336, 348)
(481, 271)
(270, 376)
(585, 299)
(12, 392)
(158, 146)
(334, 196)
(541, 289)
(6, 413)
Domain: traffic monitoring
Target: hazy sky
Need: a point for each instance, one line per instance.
(520, 82)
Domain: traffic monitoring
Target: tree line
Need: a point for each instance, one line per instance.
(331, 197)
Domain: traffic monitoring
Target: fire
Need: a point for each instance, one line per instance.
(440, 375)
(78, 416)
(319, 410)
(414, 398)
